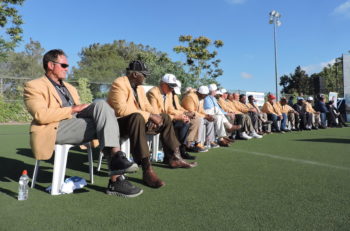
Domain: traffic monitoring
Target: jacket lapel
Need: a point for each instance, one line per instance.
(53, 90)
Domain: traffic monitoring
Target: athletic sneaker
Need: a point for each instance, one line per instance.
(123, 188)
(214, 145)
(244, 136)
(201, 148)
(118, 164)
(255, 135)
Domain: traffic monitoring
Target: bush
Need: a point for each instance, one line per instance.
(13, 112)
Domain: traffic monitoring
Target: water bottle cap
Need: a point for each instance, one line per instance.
(24, 172)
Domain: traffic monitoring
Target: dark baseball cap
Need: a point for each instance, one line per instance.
(138, 66)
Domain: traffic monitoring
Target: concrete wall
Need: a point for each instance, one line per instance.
(346, 72)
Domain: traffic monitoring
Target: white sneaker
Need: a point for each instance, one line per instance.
(244, 136)
(255, 135)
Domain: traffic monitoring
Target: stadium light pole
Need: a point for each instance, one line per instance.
(275, 20)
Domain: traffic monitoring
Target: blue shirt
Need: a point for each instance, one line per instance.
(211, 102)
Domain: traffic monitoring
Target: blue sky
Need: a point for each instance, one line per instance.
(313, 32)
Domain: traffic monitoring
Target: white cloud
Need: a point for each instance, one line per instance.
(246, 75)
(236, 1)
(343, 9)
(314, 68)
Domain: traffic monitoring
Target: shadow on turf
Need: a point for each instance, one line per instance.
(328, 140)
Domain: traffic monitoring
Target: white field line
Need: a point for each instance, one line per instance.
(292, 159)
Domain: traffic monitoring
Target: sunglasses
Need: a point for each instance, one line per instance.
(63, 65)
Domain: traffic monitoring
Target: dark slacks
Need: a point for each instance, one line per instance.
(133, 126)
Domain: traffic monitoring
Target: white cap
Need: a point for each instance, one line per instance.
(300, 98)
(310, 98)
(177, 89)
(189, 89)
(204, 90)
(169, 79)
(218, 92)
(223, 91)
(212, 87)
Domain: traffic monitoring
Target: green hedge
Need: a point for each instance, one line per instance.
(13, 112)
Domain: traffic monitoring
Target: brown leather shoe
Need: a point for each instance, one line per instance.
(223, 143)
(228, 139)
(151, 179)
(234, 128)
(176, 161)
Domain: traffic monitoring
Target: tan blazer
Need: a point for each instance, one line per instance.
(224, 105)
(45, 106)
(155, 98)
(309, 108)
(191, 103)
(284, 108)
(121, 98)
(177, 103)
(268, 108)
(234, 108)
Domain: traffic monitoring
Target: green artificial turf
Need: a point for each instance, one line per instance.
(292, 181)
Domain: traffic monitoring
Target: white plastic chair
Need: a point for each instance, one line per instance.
(59, 169)
(153, 144)
(124, 146)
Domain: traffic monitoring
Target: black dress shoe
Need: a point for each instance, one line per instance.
(187, 156)
(118, 164)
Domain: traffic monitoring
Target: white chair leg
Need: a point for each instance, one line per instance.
(59, 169)
(100, 161)
(35, 173)
(91, 163)
(155, 146)
(125, 147)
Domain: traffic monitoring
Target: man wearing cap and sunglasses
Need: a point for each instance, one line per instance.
(137, 117)
(59, 118)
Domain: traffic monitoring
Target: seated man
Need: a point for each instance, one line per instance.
(192, 142)
(161, 99)
(59, 118)
(334, 117)
(274, 114)
(304, 116)
(262, 117)
(315, 120)
(292, 115)
(223, 127)
(137, 117)
(252, 113)
(193, 102)
(320, 106)
(243, 119)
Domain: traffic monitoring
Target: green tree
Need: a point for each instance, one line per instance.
(200, 60)
(298, 82)
(84, 90)
(11, 22)
(104, 62)
(18, 67)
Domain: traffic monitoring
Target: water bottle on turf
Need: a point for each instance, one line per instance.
(23, 186)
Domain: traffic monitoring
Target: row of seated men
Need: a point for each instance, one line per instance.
(60, 118)
(303, 115)
(199, 122)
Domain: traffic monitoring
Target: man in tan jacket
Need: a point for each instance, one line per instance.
(241, 110)
(192, 142)
(193, 102)
(59, 118)
(137, 117)
(161, 99)
(274, 114)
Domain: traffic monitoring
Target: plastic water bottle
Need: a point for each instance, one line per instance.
(160, 156)
(23, 186)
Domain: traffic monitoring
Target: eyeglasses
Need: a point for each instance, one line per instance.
(63, 65)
